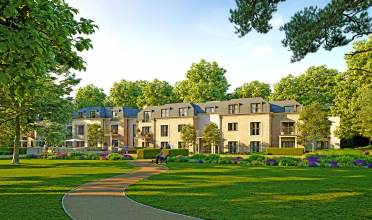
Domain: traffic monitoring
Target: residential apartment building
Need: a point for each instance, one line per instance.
(247, 125)
(118, 124)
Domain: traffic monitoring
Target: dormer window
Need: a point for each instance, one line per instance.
(256, 107)
(92, 114)
(114, 114)
(164, 113)
(289, 108)
(210, 109)
(146, 116)
(182, 112)
(80, 114)
(234, 109)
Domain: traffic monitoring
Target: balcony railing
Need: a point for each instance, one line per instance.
(288, 131)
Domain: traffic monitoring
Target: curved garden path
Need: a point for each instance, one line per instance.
(104, 199)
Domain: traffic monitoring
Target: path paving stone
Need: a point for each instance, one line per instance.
(105, 200)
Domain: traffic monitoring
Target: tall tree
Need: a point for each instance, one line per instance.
(253, 89)
(95, 135)
(349, 90)
(212, 136)
(188, 136)
(90, 96)
(317, 84)
(364, 115)
(205, 81)
(39, 42)
(156, 92)
(126, 93)
(314, 124)
(337, 24)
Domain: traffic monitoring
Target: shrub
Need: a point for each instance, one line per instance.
(257, 157)
(92, 157)
(288, 161)
(176, 152)
(114, 156)
(285, 151)
(199, 156)
(212, 158)
(345, 160)
(148, 153)
(76, 156)
(226, 160)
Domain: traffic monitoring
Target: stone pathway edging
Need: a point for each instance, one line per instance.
(105, 199)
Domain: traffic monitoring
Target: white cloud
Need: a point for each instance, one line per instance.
(277, 22)
(264, 50)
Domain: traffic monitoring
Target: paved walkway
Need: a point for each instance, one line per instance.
(104, 199)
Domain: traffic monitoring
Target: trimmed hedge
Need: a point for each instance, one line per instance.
(285, 151)
(176, 152)
(147, 153)
(150, 153)
(9, 150)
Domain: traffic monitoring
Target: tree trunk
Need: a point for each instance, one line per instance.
(17, 140)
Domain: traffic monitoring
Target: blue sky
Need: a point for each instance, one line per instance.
(147, 39)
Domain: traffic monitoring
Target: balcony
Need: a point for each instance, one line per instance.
(288, 131)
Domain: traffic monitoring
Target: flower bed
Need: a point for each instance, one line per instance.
(333, 161)
(84, 156)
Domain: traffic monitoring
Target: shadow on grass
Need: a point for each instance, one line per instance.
(34, 189)
(235, 192)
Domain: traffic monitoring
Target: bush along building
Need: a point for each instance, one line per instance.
(102, 126)
(245, 125)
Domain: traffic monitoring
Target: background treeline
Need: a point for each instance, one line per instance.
(346, 94)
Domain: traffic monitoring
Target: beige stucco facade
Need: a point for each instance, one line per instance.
(246, 124)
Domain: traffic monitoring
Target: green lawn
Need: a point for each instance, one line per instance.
(34, 189)
(237, 192)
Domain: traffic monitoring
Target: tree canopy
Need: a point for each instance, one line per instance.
(317, 84)
(364, 114)
(95, 135)
(253, 89)
(212, 135)
(40, 42)
(90, 96)
(155, 92)
(314, 124)
(205, 81)
(337, 24)
(349, 90)
(126, 93)
(188, 135)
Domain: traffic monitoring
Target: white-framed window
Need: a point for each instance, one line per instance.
(146, 116)
(164, 130)
(210, 109)
(289, 108)
(255, 128)
(233, 126)
(80, 129)
(234, 109)
(92, 114)
(182, 112)
(232, 147)
(164, 144)
(164, 113)
(114, 114)
(255, 146)
(256, 107)
(114, 129)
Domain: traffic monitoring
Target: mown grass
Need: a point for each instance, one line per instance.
(33, 190)
(237, 192)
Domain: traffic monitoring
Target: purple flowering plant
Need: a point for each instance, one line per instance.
(313, 161)
(271, 162)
